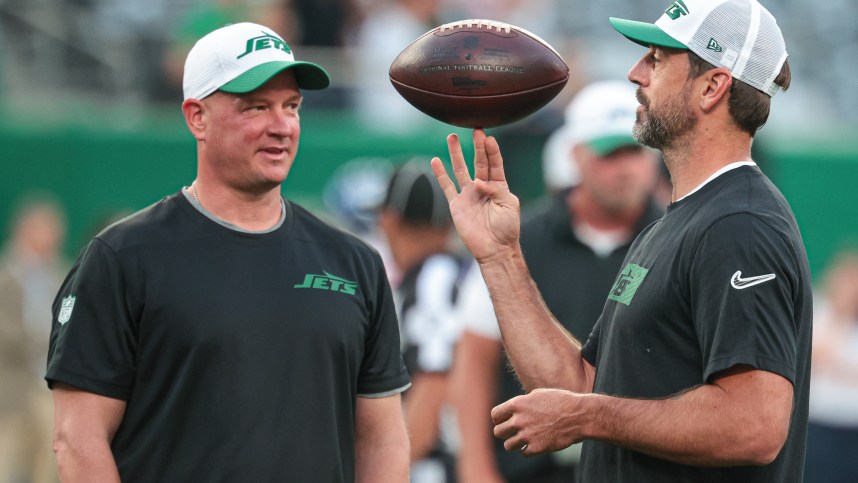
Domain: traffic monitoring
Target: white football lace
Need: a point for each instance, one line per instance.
(480, 23)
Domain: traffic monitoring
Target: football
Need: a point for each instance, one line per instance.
(478, 73)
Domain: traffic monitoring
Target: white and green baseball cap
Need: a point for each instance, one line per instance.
(740, 35)
(601, 116)
(242, 57)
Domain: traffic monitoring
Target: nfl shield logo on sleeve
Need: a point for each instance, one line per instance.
(66, 309)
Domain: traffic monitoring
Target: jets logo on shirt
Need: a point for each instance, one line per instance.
(740, 283)
(627, 284)
(328, 282)
(66, 309)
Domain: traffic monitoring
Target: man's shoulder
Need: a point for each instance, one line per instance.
(157, 221)
(746, 191)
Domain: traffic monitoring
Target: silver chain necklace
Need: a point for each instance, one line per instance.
(194, 192)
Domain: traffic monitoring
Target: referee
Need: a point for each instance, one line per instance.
(697, 370)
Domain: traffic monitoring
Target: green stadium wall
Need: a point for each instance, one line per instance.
(99, 163)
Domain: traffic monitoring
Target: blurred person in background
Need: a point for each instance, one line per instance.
(31, 271)
(832, 435)
(389, 26)
(416, 221)
(573, 243)
(353, 195)
(225, 333)
(321, 23)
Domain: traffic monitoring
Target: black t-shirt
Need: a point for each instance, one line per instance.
(574, 282)
(722, 279)
(239, 355)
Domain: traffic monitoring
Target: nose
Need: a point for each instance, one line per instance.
(282, 123)
(637, 74)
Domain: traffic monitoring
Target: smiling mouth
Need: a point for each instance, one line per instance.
(275, 151)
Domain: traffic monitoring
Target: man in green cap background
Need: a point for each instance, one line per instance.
(697, 369)
(225, 333)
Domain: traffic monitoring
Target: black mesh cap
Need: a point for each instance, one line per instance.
(414, 194)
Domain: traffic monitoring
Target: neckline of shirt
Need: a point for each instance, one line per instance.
(729, 167)
(231, 226)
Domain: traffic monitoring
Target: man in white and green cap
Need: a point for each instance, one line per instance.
(697, 370)
(225, 333)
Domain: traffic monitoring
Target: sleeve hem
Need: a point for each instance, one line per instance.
(88, 384)
(589, 354)
(379, 395)
(385, 384)
(754, 360)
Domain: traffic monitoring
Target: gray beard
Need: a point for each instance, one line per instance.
(661, 131)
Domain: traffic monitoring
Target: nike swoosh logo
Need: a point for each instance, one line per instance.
(739, 283)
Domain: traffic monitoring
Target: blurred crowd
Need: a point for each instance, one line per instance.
(132, 52)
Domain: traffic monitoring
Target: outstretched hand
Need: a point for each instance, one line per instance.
(485, 212)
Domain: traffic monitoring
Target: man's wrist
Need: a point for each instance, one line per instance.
(592, 406)
(502, 260)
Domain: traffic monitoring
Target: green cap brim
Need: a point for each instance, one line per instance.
(608, 144)
(645, 34)
(309, 76)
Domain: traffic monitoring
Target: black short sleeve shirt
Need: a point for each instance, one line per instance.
(722, 279)
(239, 355)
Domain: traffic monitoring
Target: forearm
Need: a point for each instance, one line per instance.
(542, 352)
(701, 427)
(423, 405)
(385, 462)
(477, 462)
(80, 460)
(475, 386)
(84, 426)
(381, 441)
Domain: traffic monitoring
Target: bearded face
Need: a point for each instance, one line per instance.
(659, 126)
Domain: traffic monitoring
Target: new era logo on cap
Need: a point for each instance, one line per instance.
(713, 45)
(242, 57)
(749, 41)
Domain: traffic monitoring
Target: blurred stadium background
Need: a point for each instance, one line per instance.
(90, 93)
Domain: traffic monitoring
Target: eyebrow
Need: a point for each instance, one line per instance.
(252, 98)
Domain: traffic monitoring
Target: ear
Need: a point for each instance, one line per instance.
(195, 117)
(716, 86)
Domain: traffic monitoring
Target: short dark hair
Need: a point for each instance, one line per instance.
(748, 106)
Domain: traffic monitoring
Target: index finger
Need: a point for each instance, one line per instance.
(502, 412)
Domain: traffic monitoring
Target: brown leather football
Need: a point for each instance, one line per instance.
(478, 73)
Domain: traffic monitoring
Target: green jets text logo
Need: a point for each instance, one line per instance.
(714, 45)
(627, 284)
(676, 10)
(328, 282)
(263, 42)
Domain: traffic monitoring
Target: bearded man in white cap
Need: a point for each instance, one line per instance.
(225, 333)
(697, 370)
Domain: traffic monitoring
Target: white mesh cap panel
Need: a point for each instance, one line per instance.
(744, 37)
